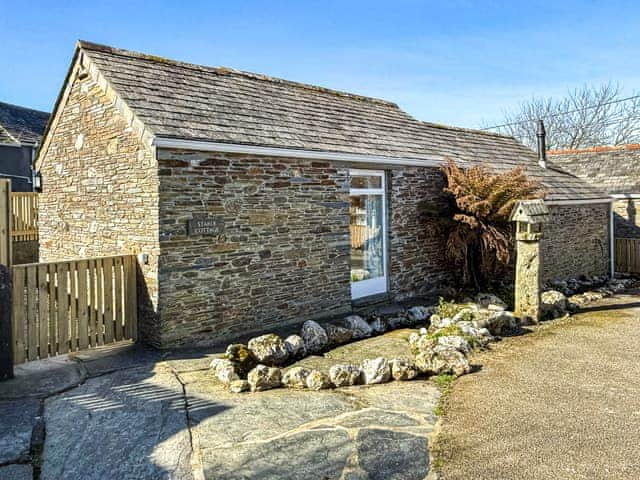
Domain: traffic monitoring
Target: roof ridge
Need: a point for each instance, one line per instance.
(468, 130)
(596, 149)
(221, 70)
(20, 107)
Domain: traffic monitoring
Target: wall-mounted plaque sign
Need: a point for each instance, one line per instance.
(205, 226)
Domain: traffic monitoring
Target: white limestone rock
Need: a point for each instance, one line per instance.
(456, 342)
(264, 378)
(224, 370)
(421, 342)
(358, 326)
(317, 380)
(345, 375)
(239, 386)
(295, 346)
(499, 323)
(269, 349)
(378, 325)
(481, 335)
(466, 314)
(553, 303)
(442, 360)
(314, 336)
(403, 369)
(486, 299)
(296, 377)
(399, 321)
(438, 322)
(375, 370)
(338, 335)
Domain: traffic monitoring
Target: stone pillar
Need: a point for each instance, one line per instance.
(530, 216)
(528, 286)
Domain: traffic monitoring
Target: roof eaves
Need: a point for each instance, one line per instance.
(249, 149)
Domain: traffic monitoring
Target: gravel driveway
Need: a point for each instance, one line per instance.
(562, 402)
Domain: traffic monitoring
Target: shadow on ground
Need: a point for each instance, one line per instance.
(126, 412)
(116, 412)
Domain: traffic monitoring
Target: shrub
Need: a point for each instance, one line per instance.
(478, 230)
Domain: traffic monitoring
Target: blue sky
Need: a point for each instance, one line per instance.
(452, 62)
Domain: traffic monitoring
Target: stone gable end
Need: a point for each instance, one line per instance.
(100, 190)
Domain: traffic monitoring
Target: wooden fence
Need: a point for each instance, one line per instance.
(627, 255)
(360, 234)
(24, 210)
(67, 306)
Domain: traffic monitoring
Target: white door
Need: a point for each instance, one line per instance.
(368, 233)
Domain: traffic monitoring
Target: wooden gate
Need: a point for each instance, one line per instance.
(24, 210)
(627, 255)
(5, 222)
(61, 307)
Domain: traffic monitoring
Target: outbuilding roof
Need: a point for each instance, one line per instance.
(193, 102)
(614, 169)
(20, 125)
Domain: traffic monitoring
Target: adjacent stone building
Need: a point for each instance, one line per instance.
(258, 201)
(20, 133)
(614, 169)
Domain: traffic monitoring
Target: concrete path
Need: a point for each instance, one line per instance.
(562, 402)
(129, 413)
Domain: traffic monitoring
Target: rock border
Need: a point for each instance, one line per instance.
(440, 347)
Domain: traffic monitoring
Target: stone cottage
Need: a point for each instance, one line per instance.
(254, 201)
(615, 170)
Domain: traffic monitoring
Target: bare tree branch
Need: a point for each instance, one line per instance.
(586, 117)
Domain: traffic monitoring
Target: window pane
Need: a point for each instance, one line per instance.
(366, 181)
(367, 254)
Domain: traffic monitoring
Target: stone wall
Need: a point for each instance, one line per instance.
(99, 194)
(283, 255)
(576, 242)
(417, 265)
(626, 218)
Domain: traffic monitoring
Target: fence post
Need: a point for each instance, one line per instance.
(6, 340)
(5, 222)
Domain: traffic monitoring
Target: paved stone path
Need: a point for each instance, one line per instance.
(129, 413)
(561, 403)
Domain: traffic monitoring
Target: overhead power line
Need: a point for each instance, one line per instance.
(558, 114)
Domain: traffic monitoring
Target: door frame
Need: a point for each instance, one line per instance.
(379, 285)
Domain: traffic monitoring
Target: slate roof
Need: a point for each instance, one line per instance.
(186, 101)
(20, 125)
(615, 169)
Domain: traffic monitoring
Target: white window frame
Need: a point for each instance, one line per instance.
(379, 285)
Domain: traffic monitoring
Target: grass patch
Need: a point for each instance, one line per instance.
(438, 448)
(445, 383)
(447, 309)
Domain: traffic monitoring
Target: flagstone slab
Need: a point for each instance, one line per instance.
(17, 419)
